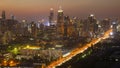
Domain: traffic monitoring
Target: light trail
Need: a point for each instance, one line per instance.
(76, 51)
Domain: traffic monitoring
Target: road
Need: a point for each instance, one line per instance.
(76, 51)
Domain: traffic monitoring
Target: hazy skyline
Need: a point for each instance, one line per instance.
(40, 8)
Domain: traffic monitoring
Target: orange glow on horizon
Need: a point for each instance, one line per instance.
(70, 7)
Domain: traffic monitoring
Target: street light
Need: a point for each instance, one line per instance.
(111, 33)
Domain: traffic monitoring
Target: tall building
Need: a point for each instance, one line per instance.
(33, 29)
(76, 26)
(106, 24)
(24, 28)
(92, 24)
(51, 17)
(3, 15)
(66, 23)
(3, 24)
(114, 26)
(60, 22)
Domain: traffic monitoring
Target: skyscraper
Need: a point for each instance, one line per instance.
(106, 23)
(92, 22)
(60, 21)
(3, 15)
(51, 17)
(33, 29)
(67, 20)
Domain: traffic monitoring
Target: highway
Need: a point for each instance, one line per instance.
(79, 50)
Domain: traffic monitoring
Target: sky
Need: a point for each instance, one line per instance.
(37, 9)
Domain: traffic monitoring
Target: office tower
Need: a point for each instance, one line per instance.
(76, 26)
(66, 23)
(106, 24)
(42, 26)
(114, 26)
(3, 15)
(92, 24)
(81, 28)
(51, 17)
(118, 26)
(60, 22)
(24, 28)
(3, 24)
(33, 29)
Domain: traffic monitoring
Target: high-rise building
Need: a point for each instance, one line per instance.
(114, 26)
(24, 28)
(3, 15)
(60, 22)
(51, 17)
(106, 24)
(76, 26)
(92, 24)
(89, 26)
(66, 23)
(33, 29)
(3, 24)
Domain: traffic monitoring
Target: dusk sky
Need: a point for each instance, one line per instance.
(36, 9)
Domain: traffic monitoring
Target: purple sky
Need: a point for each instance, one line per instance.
(36, 9)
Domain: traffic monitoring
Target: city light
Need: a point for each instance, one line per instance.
(111, 33)
(48, 24)
(113, 22)
(79, 50)
(51, 8)
(63, 35)
(31, 47)
(15, 50)
(91, 15)
(60, 9)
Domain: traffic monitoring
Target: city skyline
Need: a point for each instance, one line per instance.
(60, 33)
(36, 9)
